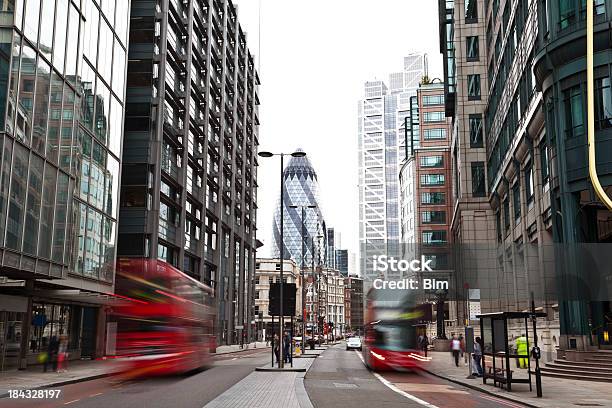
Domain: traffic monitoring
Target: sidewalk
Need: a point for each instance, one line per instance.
(34, 377)
(557, 392)
(262, 389)
(234, 348)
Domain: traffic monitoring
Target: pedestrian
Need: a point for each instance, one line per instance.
(287, 348)
(477, 356)
(52, 349)
(62, 355)
(522, 350)
(425, 344)
(276, 347)
(456, 349)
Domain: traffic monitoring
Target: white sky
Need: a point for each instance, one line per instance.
(315, 56)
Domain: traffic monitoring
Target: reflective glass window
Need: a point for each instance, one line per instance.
(121, 20)
(46, 215)
(79, 229)
(102, 111)
(25, 104)
(90, 31)
(61, 213)
(93, 241)
(97, 171)
(116, 127)
(83, 175)
(108, 250)
(61, 24)
(17, 198)
(46, 28)
(105, 50)
(67, 126)
(112, 186)
(55, 117)
(41, 106)
(35, 189)
(18, 13)
(119, 70)
(6, 36)
(14, 81)
(72, 51)
(5, 174)
(32, 14)
(87, 88)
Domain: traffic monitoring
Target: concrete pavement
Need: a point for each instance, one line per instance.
(557, 392)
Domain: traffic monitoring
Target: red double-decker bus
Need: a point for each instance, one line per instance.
(165, 326)
(390, 341)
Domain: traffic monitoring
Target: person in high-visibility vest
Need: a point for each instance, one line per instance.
(522, 348)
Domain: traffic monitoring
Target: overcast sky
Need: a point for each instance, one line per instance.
(315, 56)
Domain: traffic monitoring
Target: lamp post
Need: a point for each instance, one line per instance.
(282, 243)
(303, 207)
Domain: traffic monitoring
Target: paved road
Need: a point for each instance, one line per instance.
(187, 391)
(339, 378)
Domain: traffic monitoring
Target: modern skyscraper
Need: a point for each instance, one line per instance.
(342, 261)
(301, 190)
(381, 149)
(62, 76)
(191, 137)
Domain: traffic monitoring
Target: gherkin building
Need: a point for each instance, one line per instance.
(301, 190)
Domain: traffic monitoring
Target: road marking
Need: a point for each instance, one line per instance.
(394, 388)
(95, 395)
(70, 402)
(500, 401)
(235, 358)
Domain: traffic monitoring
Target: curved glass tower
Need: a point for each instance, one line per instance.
(301, 189)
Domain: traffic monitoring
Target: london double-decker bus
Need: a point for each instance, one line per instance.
(390, 340)
(165, 324)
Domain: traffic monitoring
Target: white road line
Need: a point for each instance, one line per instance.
(394, 388)
(70, 402)
(95, 395)
(501, 401)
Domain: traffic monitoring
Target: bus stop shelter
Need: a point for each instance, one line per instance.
(494, 329)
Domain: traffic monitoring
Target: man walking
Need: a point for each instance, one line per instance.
(477, 356)
(456, 349)
(287, 348)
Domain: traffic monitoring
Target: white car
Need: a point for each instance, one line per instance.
(353, 343)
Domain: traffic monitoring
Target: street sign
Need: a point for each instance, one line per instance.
(240, 327)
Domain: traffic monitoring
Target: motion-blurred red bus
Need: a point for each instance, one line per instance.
(165, 326)
(390, 341)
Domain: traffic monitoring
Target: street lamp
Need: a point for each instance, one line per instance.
(303, 207)
(282, 242)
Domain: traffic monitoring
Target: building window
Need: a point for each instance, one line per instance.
(529, 182)
(429, 100)
(473, 87)
(507, 214)
(432, 179)
(603, 103)
(516, 201)
(434, 134)
(437, 197)
(544, 162)
(434, 237)
(471, 44)
(432, 161)
(498, 225)
(433, 217)
(574, 112)
(434, 116)
(478, 179)
(278, 268)
(471, 11)
(476, 139)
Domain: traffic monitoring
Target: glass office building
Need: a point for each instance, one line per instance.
(188, 191)
(62, 76)
(301, 190)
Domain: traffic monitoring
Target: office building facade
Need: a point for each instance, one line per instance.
(381, 143)
(62, 103)
(189, 188)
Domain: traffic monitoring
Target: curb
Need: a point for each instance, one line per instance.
(281, 370)
(67, 382)
(484, 391)
(240, 351)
